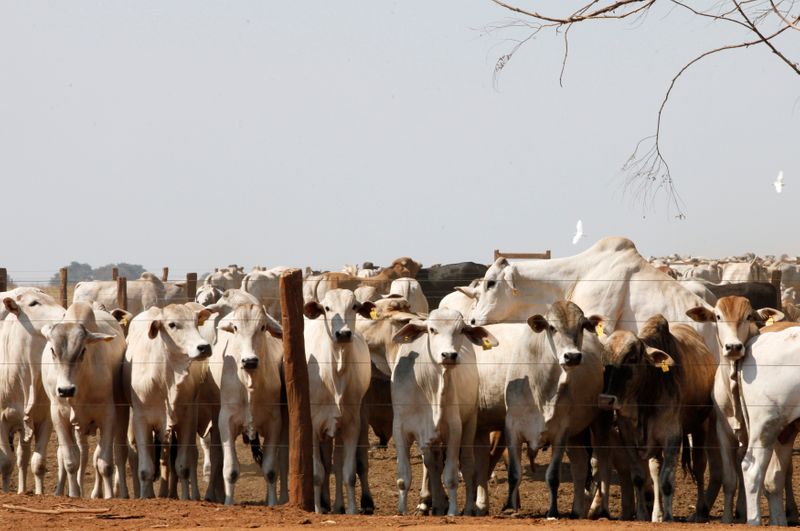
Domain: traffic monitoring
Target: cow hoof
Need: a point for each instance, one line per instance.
(599, 513)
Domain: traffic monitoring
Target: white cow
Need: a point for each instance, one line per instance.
(226, 277)
(610, 279)
(265, 286)
(81, 373)
(161, 370)
(435, 401)
(709, 272)
(554, 378)
(339, 375)
(770, 390)
(144, 293)
(24, 406)
(751, 271)
(207, 294)
(246, 366)
(410, 290)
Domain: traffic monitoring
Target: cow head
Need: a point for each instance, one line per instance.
(494, 294)
(249, 323)
(178, 326)
(736, 323)
(563, 326)
(405, 267)
(446, 334)
(33, 308)
(339, 308)
(631, 369)
(68, 344)
(207, 294)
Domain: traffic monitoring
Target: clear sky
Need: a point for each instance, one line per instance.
(200, 133)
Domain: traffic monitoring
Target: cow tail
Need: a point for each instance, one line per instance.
(255, 448)
(686, 459)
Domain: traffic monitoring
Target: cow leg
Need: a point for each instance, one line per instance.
(338, 457)
(269, 463)
(403, 447)
(425, 497)
(83, 447)
(432, 457)
(104, 465)
(514, 472)
(731, 469)
(230, 468)
(792, 516)
(61, 473)
(68, 453)
(326, 454)
(205, 445)
(600, 436)
(215, 491)
(482, 472)
(553, 479)
(362, 462)
(466, 456)
(775, 480)
(145, 455)
(451, 452)
(754, 465)
(349, 437)
(667, 476)
(120, 453)
(39, 458)
(655, 475)
(6, 451)
(579, 466)
(699, 464)
(715, 464)
(23, 459)
(319, 475)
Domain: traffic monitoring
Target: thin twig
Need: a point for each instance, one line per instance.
(55, 511)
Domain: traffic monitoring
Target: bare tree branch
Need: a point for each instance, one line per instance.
(783, 17)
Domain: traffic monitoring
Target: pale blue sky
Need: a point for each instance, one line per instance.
(201, 133)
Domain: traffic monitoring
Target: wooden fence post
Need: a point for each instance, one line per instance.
(164, 273)
(122, 293)
(776, 281)
(301, 463)
(63, 290)
(3, 279)
(114, 273)
(191, 286)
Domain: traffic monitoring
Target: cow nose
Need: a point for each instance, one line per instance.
(204, 351)
(250, 363)
(733, 347)
(572, 358)
(344, 335)
(449, 356)
(472, 321)
(67, 391)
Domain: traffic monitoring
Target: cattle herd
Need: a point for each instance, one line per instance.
(620, 362)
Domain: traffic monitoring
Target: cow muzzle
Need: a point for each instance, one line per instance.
(608, 402)
(449, 358)
(343, 336)
(202, 352)
(249, 364)
(67, 391)
(571, 359)
(734, 351)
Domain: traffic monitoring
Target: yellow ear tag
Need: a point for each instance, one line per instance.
(770, 321)
(514, 291)
(664, 366)
(123, 321)
(373, 314)
(486, 344)
(406, 338)
(599, 330)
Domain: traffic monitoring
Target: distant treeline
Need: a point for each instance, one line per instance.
(77, 272)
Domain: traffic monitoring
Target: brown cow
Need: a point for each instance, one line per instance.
(315, 287)
(660, 386)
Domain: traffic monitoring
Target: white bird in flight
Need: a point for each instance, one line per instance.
(778, 184)
(578, 232)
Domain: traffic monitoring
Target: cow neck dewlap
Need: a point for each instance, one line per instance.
(554, 379)
(444, 388)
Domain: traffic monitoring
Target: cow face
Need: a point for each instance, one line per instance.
(564, 325)
(339, 308)
(178, 326)
(34, 308)
(446, 332)
(493, 294)
(249, 323)
(406, 267)
(736, 323)
(631, 364)
(67, 346)
(207, 294)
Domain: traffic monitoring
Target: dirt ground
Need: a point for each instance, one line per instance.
(250, 511)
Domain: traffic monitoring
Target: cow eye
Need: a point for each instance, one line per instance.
(173, 325)
(235, 329)
(327, 308)
(34, 303)
(552, 328)
(749, 317)
(263, 328)
(53, 351)
(491, 284)
(355, 307)
(83, 351)
(433, 331)
(719, 318)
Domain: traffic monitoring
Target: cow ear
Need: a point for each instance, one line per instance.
(411, 331)
(766, 313)
(11, 305)
(121, 316)
(479, 336)
(402, 318)
(312, 309)
(155, 326)
(392, 296)
(537, 323)
(594, 324)
(227, 326)
(470, 292)
(701, 314)
(274, 328)
(95, 337)
(365, 309)
(509, 275)
(659, 358)
(202, 315)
